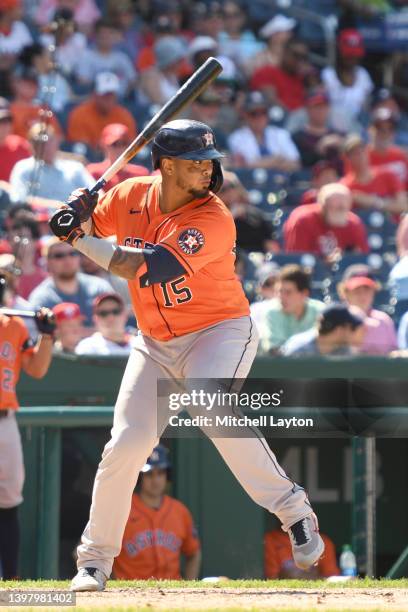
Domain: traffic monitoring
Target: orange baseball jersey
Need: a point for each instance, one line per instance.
(278, 555)
(200, 235)
(154, 539)
(14, 341)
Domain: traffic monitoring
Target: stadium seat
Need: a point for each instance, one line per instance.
(260, 178)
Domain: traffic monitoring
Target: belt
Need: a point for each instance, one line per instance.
(4, 413)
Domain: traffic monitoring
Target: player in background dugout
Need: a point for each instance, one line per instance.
(16, 351)
(159, 529)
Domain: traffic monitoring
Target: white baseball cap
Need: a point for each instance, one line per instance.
(106, 82)
(201, 43)
(279, 23)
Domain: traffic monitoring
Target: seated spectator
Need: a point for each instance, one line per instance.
(323, 173)
(44, 174)
(25, 108)
(124, 15)
(372, 187)
(277, 31)
(382, 150)
(86, 12)
(236, 40)
(312, 138)
(154, 520)
(347, 83)
(279, 560)
(110, 337)
(69, 44)
(105, 58)
(10, 271)
(207, 18)
(70, 329)
(398, 279)
(86, 121)
(327, 228)
(160, 82)
(284, 84)
(209, 108)
(259, 145)
(66, 283)
(357, 289)
(338, 331)
(162, 25)
(254, 230)
(12, 147)
(114, 140)
(14, 34)
(267, 275)
(292, 312)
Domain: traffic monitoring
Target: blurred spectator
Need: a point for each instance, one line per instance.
(122, 14)
(105, 58)
(399, 273)
(203, 47)
(207, 18)
(323, 173)
(267, 275)
(110, 337)
(66, 283)
(10, 270)
(383, 98)
(339, 330)
(154, 520)
(14, 34)
(348, 84)
(208, 108)
(382, 150)
(311, 140)
(236, 40)
(114, 140)
(70, 329)
(44, 174)
(373, 188)
(292, 312)
(86, 12)
(25, 108)
(327, 228)
(161, 26)
(12, 147)
(358, 288)
(69, 44)
(87, 120)
(277, 31)
(259, 145)
(160, 82)
(24, 235)
(279, 560)
(254, 230)
(283, 83)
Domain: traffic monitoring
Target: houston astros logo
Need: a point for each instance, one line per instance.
(208, 139)
(190, 241)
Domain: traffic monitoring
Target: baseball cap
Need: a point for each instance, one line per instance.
(107, 296)
(201, 43)
(351, 43)
(254, 100)
(279, 23)
(316, 97)
(168, 50)
(359, 275)
(158, 459)
(338, 315)
(5, 112)
(384, 114)
(113, 132)
(106, 82)
(67, 311)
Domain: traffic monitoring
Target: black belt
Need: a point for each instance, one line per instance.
(4, 413)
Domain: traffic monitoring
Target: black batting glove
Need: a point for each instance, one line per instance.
(83, 202)
(66, 225)
(45, 321)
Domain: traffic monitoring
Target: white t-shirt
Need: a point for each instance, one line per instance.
(277, 141)
(18, 38)
(347, 101)
(98, 345)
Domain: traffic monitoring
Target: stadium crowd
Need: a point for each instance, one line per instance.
(315, 168)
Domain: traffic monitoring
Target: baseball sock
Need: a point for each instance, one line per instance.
(9, 542)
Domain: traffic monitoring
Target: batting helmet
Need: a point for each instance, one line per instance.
(187, 139)
(158, 459)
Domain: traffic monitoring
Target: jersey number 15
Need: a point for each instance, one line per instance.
(172, 292)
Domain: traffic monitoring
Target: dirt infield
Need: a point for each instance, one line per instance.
(247, 599)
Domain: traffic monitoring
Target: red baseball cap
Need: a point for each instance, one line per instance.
(316, 97)
(360, 281)
(113, 132)
(351, 43)
(107, 296)
(67, 311)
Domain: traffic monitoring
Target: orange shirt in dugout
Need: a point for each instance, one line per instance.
(154, 539)
(201, 235)
(14, 341)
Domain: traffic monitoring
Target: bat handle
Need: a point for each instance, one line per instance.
(98, 186)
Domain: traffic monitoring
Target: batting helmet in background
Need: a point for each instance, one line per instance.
(187, 139)
(158, 459)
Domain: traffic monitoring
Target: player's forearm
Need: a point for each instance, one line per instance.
(192, 566)
(120, 260)
(37, 364)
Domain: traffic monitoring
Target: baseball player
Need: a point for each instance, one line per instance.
(17, 351)
(176, 247)
(159, 529)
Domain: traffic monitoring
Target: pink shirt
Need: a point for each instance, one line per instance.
(380, 337)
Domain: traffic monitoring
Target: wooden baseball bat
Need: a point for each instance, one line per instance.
(15, 312)
(186, 94)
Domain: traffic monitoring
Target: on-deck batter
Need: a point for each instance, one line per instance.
(176, 246)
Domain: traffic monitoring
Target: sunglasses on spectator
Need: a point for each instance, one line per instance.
(105, 313)
(63, 255)
(258, 113)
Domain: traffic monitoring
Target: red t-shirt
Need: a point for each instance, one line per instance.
(383, 183)
(12, 150)
(289, 88)
(129, 171)
(393, 159)
(306, 231)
